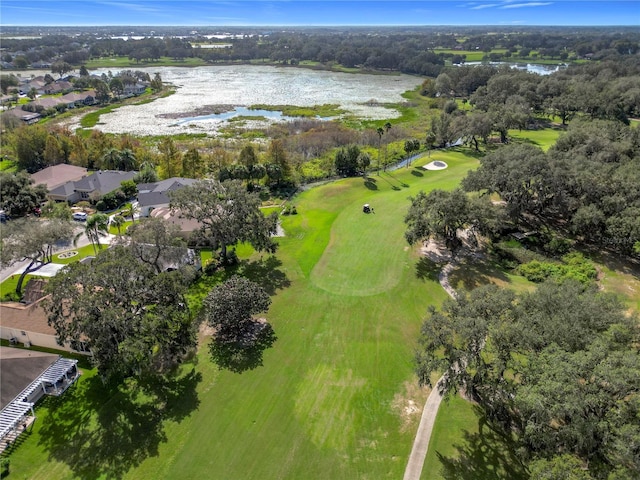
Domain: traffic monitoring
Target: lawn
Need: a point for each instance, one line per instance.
(348, 300)
(7, 165)
(464, 447)
(83, 252)
(9, 285)
(541, 138)
(126, 62)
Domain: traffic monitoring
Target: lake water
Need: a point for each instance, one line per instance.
(234, 88)
(537, 68)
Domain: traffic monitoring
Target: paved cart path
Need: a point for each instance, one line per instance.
(430, 411)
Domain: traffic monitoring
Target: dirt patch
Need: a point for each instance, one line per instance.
(408, 404)
(435, 251)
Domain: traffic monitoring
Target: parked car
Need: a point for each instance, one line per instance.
(80, 216)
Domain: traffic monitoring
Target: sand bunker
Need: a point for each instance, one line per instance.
(435, 165)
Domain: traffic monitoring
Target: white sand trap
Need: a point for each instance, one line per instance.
(435, 165)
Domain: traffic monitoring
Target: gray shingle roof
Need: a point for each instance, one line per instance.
(103, 181)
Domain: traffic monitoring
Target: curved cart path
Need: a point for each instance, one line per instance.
(423, 436)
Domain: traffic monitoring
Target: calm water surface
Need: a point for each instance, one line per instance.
(245, 85)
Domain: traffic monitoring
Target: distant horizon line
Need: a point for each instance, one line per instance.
(325, 25)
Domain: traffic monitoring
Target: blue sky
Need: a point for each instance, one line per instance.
(311, 12)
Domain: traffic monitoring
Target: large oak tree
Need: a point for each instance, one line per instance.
(31, 240)
(227, 214)
(239, 337)
(557, 367)
(133, 320)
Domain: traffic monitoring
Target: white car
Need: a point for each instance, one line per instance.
(80, 216)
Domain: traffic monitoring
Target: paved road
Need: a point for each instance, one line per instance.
(430, 411)
(82, 241)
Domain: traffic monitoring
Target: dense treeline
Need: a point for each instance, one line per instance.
(586, 185)
(407, 50)
(511, 98)
(555, 371)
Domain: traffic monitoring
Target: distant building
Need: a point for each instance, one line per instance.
(24, 116)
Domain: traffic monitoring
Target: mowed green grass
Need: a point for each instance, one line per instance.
(544, 138)
(324, 404)
(464, 447)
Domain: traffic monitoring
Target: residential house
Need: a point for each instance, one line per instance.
(27, 324)
(135, 89)
(56, 175)
(25, 377)
(57, 87)
(48, 102)
(79, 99)
(97, 184)
(156, 195)
(185, 225)
(38, 83)
(26, 117)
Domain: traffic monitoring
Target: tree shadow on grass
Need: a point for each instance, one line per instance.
(471, 274)
(417, 172)
(104, 431)
(485, 455)
(240, 358)
(427, 269)
(370, 183)
(265, 273)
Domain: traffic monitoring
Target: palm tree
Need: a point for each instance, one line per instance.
(97, 227)
(387, 127)
(129, 211)
(117, 221)
(111, 159)
(380, 132)
(127, 160)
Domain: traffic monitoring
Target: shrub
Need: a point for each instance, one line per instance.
(575, 266)
(4, 466)
(557, 246)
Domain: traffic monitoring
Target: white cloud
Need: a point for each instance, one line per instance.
(484, 5)
(136, 7)
(528, 4)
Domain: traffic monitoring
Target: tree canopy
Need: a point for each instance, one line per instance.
(155, 242)
(444, 215)
(239, 338)
(227, 214)
(133, 320)
(18, 195)
(32, 240)
(588, 181)
(558, 367)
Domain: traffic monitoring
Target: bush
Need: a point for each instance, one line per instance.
(537, 272)
(111, 200)
(557, 246)
(290, 210)
(575, 266)
(216, 262)
(4, 466)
